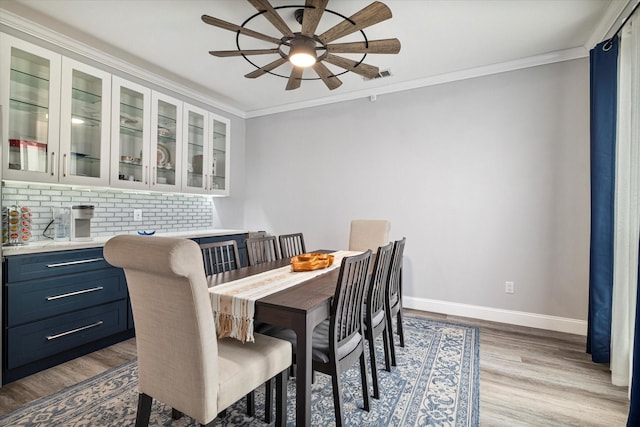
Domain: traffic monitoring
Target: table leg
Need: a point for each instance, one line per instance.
(304, 371)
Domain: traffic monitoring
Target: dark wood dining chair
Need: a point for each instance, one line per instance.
(338, 342)
(393, 299)
(262, 249)
(219, 257)
(375, 320)
(291, 245)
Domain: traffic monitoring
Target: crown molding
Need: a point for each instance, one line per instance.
(45, 34)
(533, 61)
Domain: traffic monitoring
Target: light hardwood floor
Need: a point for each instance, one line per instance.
(528, 377)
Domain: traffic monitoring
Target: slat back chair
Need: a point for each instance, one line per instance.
(291, 245)
(180, 360)
(262, 249)
(345, 333)
(393, 299)
(375, 319)
(219, 257)
(338, 342)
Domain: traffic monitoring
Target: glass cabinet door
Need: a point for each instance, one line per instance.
(166, 143)
(219, 155)
(196, 135)
(30, 91)
(130, 129)
(84, 129)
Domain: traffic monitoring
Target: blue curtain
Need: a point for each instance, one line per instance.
(634, 409)
(604, 82)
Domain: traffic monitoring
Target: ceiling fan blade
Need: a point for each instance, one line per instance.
(312, 13)
(228, 53)
(295, 78)
(373, 46)
(264, 70)
(326, 75)
(233, 27)
(365, 70)
(272, 16)
(370, 15)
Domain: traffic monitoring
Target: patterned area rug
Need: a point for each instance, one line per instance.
(436, 383)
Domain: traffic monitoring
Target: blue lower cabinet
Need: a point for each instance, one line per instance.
(37, 340)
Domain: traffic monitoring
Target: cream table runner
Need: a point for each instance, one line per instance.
(233, 303)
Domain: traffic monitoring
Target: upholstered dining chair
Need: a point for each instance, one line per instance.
(393, 298)
(375, 320)
(338, 342)
(180, 360)
(291, 245)
(262, 249)
(219, 257)
(368, 234)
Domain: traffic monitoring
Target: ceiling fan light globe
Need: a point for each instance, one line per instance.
(302, 59)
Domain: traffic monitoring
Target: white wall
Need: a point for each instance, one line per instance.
(488, 179)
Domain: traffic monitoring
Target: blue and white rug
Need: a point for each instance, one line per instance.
(436, 383)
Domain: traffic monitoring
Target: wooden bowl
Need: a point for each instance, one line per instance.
(312, 261)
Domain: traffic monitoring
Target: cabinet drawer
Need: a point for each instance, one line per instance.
(40, 299)
(34, 341)
(36, 266)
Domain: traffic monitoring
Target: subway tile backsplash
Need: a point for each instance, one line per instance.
(113, 208)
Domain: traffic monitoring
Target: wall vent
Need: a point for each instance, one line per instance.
(381, 74)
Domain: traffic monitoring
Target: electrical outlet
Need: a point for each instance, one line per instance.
(137, 214)
(509, 287)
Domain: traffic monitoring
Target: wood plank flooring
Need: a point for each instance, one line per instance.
(528, 377)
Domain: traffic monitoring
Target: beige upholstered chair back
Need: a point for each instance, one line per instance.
(175, 330)
(368, 234)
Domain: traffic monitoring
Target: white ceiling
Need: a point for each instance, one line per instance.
(439, 38)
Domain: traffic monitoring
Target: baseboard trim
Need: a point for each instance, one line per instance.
(520, 318)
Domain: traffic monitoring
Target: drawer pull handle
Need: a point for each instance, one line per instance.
(82, 261)
(71, 294)
(73, 331)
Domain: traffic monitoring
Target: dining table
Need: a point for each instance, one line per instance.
(301, 308)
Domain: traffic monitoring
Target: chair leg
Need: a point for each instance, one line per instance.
(251, 404)
(365, 387)
(337, 397)
(144, 410)
(175, 414)
(268, 400)
(374, 369)
(387, 350)
(389, 329)
(399, 326)
(281, 398)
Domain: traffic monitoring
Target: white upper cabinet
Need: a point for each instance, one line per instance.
(58, 117)
(166, 143)
(219, 155)
(206, 152)
(30, 96)
(130, 135)
(196, 139)
(85, 124)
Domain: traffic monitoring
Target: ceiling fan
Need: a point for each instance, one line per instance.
(304, 48)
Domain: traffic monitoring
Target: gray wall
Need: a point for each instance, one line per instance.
(488, 178)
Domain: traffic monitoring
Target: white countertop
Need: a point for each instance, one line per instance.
(52, 246)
